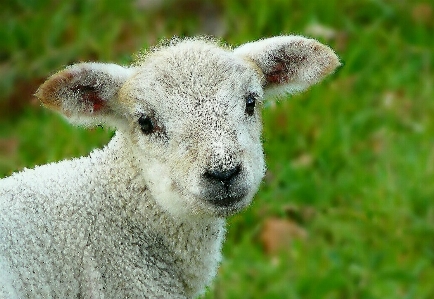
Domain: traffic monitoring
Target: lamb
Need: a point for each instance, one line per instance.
(144, 217)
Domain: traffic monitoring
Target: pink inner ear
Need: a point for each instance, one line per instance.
(90, 96)
(284, 68)
(278, 75)
(97, 102)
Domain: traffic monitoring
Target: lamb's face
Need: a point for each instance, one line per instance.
(195, 128)
(191, 113)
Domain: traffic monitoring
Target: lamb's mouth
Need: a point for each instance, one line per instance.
(229, 201)
(228, 198)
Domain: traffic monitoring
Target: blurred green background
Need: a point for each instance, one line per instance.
(345, 210)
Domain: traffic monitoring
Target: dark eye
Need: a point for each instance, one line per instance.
(147, 124)
(250, 104)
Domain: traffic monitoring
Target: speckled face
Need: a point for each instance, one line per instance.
(195, 125)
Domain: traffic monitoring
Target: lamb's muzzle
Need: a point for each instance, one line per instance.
(225, 186)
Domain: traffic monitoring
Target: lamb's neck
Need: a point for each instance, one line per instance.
(194, 241)
(196, 244)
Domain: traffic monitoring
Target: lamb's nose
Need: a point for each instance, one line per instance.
(225, 176)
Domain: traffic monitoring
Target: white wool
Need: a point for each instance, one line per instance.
(87, 226)
(144, 216)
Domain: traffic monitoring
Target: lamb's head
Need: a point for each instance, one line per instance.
(191, 113)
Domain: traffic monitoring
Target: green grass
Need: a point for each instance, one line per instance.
(350, 162)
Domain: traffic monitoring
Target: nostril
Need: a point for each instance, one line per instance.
(223, 175)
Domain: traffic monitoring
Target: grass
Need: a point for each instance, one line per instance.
(350, 162)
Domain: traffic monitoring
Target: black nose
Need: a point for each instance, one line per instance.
(224, 176)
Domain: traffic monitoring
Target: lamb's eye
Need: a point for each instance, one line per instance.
(250, 104)
(147, 124)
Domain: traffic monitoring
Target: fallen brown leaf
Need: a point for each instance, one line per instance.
(277, 234)
(422, 13)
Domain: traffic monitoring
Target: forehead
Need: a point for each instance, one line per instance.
(191, 73)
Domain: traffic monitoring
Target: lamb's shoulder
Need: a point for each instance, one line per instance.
(47, 216)
(47, 195)
(43, 227)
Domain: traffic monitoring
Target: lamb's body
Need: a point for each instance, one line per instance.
(144, 217)
(100, 239)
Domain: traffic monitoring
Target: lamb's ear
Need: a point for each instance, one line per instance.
(290, 64)
(86, 93)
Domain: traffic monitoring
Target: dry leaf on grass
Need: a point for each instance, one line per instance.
(277, 234)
